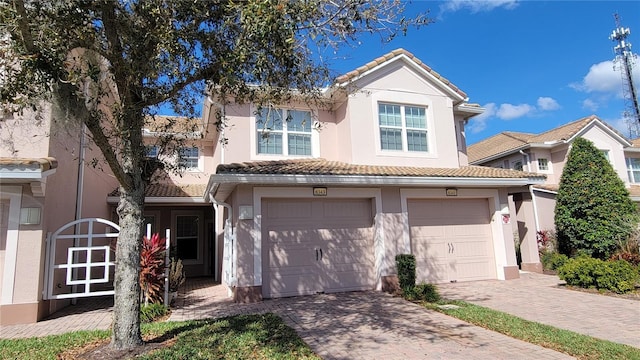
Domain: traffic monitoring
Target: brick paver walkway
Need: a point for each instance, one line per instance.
(374, 325)
(538, 297)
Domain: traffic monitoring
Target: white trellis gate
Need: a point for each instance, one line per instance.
(81, 259)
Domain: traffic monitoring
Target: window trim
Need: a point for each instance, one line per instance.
(198, 159)
(406, 99)
(547, 163)
(630, 170)
(257, 129)
(174, 234)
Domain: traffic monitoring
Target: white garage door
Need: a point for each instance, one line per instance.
(451, 239)
(317, 245)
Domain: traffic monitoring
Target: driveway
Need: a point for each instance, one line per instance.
(538, 297)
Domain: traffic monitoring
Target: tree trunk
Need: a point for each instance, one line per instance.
(126, 314)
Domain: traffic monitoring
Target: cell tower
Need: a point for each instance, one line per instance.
(624, 62)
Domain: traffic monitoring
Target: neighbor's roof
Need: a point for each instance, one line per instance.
(507, 142)
(324, 167)
(170, 191)
(634, 190)
(172, 124)
(43, 164)
(390, 56)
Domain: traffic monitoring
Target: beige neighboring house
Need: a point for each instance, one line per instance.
(47, 181)
(547, 153)
(322, 199)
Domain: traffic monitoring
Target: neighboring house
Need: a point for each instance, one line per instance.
(546, 153)
(323, 199)
(300, 200)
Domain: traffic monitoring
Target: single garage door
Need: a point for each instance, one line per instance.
(317, 245)
(451, 239)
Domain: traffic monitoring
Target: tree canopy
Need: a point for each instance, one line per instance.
(109, 64)
(593, 209)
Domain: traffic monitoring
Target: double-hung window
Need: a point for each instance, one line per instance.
(633, 169)
(403, 127)
(284, 132)
(189, 157)
(543, 164)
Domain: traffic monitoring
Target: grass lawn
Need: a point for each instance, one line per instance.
(568, 342)
(238, 337)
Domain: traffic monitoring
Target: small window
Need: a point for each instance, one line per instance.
(606, 154)
(403, 128)
(633, 170)
(189, 157)
(517, 165)
(152, 151)
(543, 164)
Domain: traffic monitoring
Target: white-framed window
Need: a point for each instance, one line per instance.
(633, 170)
(543, 164)
(606, 154)
(284, 132)
(517, 165)
(189, 157)
(403, 127)
(188, 236)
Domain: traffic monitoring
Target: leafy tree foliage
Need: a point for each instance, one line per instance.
(593, 210)
(109, 64)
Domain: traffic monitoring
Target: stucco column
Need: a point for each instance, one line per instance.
(525, 218)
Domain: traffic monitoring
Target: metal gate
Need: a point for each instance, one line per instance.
(80, 259)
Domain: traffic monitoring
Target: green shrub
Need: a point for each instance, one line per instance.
(426, 292)
(617, 276)
(553, 260)
(406, 265)
(151, 312)
(593, 209)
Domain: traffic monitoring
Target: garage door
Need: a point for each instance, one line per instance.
(451, 239)
(317, 245)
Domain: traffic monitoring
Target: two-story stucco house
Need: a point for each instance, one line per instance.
(546, 153)
(298, 200)
(323, 199)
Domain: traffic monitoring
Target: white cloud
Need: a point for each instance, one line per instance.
(510, 111)
(479, 123)
(602, 78)
(475, 6)
(590, 105)
(547, 103)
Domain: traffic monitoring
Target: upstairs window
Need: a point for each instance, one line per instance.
(152, 151)
(189, 157)
(284, 132)
(543, 164)
(633, 170)
(517, 165)
(402, 128)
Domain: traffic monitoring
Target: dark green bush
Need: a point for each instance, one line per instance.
(593, 209)
(617, 276)
(426, 292)
(151, 312)
(553, 260)
(406, 266)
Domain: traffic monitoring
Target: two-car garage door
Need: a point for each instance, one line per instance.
(451, 239)
(317, 245)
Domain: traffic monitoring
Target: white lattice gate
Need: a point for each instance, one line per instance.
(80, 259)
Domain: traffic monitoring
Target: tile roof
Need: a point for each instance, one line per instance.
(324, 167)
(506, 142)
(44, 164)
(171, 190)
(634, 190)
(174, 124)
(635, 142)
(389, 56)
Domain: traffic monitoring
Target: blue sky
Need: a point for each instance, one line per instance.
(533, 65)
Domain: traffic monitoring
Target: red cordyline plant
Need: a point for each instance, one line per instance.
(152, 268)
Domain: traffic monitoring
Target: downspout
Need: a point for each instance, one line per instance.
(218, 204)
(221, 107)
(79, 193)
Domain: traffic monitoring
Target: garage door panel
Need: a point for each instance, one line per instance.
(342, 228)
(451, 239)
